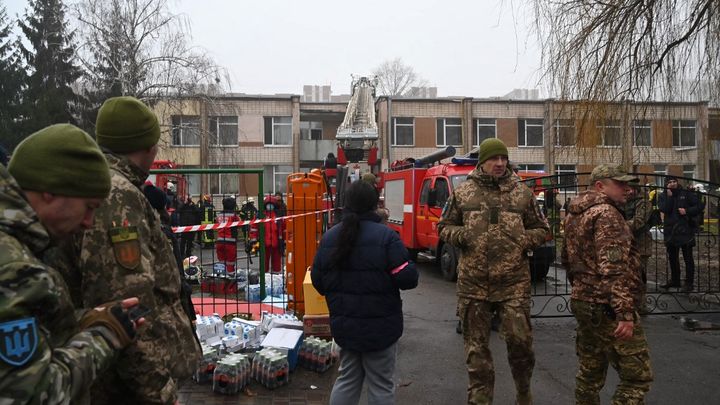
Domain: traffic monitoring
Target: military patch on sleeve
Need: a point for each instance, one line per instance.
(126, 246)
(614, 254)
(18, 341)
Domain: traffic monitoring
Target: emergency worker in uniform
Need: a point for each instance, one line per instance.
(603, 267)
(126, 253)
(638, 211)
(495, 221)
(56, 179)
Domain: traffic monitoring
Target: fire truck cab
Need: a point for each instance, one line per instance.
(415, 195)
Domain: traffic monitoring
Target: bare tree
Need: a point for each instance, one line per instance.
(139, 48)
(630, 49)
(395, 78)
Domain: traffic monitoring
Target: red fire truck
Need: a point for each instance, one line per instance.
(161, 180)
(415, 192)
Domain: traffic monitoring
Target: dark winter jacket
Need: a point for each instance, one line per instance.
(679, 230)
(363, 294)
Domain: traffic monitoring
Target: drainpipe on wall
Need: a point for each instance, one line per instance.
(389, 130)
(549, 141)
(204, 147)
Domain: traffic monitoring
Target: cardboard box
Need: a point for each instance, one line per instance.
(315, 303)
(317, 325)
(287, 341)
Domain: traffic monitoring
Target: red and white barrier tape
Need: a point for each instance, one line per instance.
(208, 227)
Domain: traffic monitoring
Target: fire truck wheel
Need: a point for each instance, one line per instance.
(448, 262)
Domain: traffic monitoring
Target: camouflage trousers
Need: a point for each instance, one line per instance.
(596, 348)
(515, 329)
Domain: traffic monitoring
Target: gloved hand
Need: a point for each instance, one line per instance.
(112, 322)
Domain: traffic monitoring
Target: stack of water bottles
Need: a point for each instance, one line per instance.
(239, 334)
(317, 354)
(270, 368)
(206, 368)
(231, 374)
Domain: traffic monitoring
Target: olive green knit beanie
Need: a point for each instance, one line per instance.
(61, 159)
(491, 147)
(125, 125)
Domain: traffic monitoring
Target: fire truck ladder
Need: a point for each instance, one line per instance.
(358, 132)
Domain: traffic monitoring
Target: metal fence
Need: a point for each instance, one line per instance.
(551, 295)
(244, 276)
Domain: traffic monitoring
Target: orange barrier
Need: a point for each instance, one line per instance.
(305, 191)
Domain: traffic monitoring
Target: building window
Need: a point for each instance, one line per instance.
(683, 133)
(566, 178)
(660, 170)
(193, 183)
(278, 131)
(449, 132)
(533, 167)
(485, 128)
(275, 178)
(530, 132)
(311, 130)
(689, 171)
(185, 130)
(223, 131)
(611, 133)
(403, 131)
(642, 133)
(564, 132)
(224, 183)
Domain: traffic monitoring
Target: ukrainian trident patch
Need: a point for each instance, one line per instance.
(18, 341)
(126, 246)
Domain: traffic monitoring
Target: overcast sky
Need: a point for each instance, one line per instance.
(474, 48)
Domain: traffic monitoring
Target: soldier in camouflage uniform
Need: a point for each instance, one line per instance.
(47, 355)
(602, 264)
(638, 210)
(495, 221)
(126, 253)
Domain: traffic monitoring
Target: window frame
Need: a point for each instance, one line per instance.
(181, 127)
(405, 125)
(214, 134)
(565, 187)
(309, 130)
(603, 126)
(556, 131)
(273, 137)
(269, 183)
(478, 125)
(526, 167)
(685, 171)
(525, 125)
(445, 127)
(637, 127)
(678, 125)
(217, 182)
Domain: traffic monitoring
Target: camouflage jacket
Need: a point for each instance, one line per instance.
(126, 254)
(495, 223)
(43, 356)
(637, 213)
(598, 254)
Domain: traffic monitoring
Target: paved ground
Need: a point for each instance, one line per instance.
(430, 367)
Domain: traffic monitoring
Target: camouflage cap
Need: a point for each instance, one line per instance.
(611, 172)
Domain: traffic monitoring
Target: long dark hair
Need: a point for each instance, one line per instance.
(360, 198)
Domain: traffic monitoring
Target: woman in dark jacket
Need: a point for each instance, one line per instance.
(360, 268)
